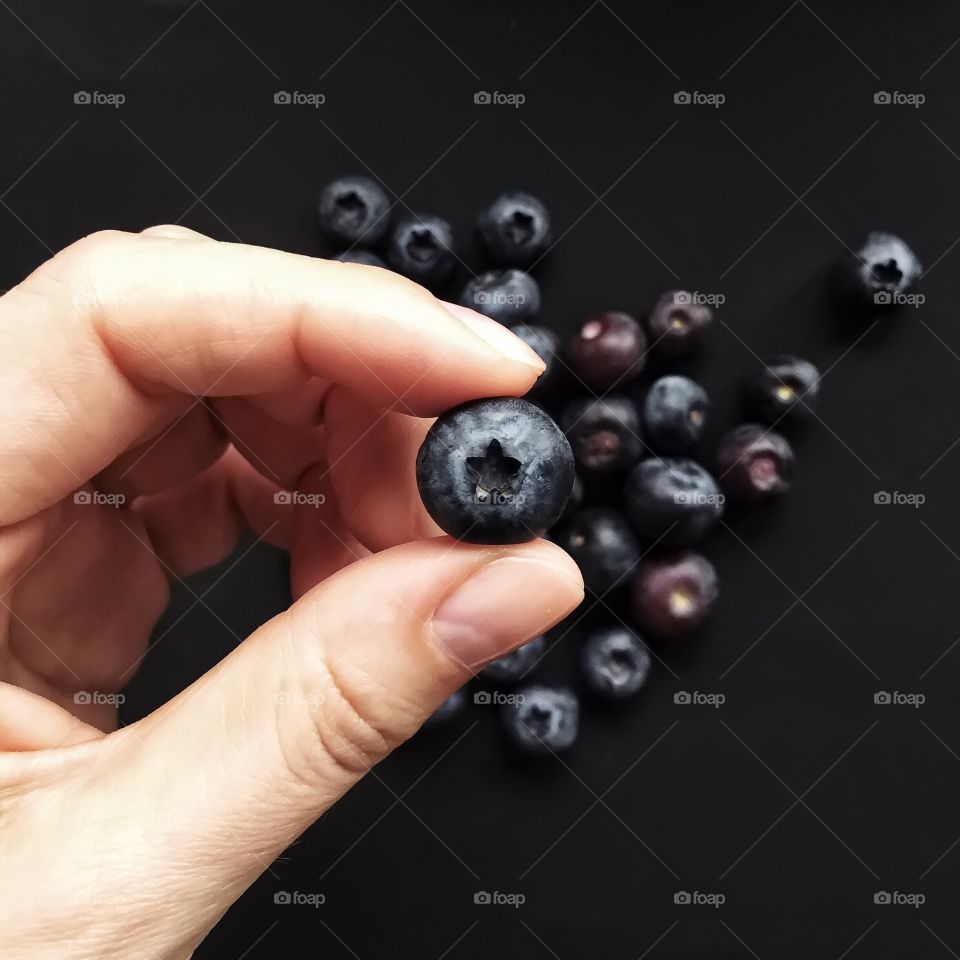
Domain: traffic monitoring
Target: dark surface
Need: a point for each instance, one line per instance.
(798, 798)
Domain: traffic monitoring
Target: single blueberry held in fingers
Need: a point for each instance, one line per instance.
(603, 546)
(877, 274)
(786, 389)
(363, 257)
(604, 434)
(754, 463)
(542, 720)
(545, 345)
(507, 296)
(353, 210)
(609, 349)
(673, 502)
(421, 248)
(514, 666)
(673, 595)
(451, 708)
(615, 662)
(495, 471)
(515, 229)
(677, 323)
(675, 413)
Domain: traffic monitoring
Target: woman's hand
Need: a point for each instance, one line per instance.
(115, 476)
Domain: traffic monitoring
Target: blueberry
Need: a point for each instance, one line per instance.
(604, 434)
(542, 720)
(514, 666)
(603, 546)
(421, 248)
(754, 463)
(451, 708)
(677, 323)
(608, 349)
(545, 345)
(353, 210)
(507, 296)
(495, 471)
(364, 257)
(877, 274)
(672, 502)
(673, 595)
(674, 413)
(786, 389)
(515, 229)
(615, 662)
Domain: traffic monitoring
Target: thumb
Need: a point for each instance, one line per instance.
(278, 731)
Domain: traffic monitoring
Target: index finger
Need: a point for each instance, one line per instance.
(103, 345)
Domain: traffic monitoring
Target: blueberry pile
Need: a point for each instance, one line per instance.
(607, 462)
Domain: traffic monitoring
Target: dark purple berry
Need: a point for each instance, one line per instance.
(353, 210)
(877, 274)
(421, 248)
(545, 345)
(786, 389)
(677, 323)
(615, 662)
(673, 502)
(604, 434)
(609, 349)
(754, 463)
(515, 229)
(673, 595)
(674, 414)
(542, 720)
(603, 546)
(514, 666)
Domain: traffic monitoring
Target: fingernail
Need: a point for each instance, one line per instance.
(501, 606)
(497, 335)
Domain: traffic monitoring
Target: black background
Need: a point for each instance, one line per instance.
(799, 798)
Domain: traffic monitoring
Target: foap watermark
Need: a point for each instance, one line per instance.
(96, 98)
(294, 498)
(297, 98)
(898, 499)
(698, 98)
(296, 898)
(698, 498)
(497, 298)
(894, 698)
(298, 698)
(685, 898)
(98, 698)
(496, 98)
(687, 298)
(897, 98)
(896, 298)
(94, 498)
(885, 898)
(497, 698)
(695, 698)
(495, 898)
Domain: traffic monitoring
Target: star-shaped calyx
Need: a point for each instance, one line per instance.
(494, 470)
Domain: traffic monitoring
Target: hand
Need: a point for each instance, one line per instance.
(133, 843)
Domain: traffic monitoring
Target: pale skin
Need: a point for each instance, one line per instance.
(317, 377)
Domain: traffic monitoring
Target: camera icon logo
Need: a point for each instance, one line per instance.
(681, 696)
(283, 498)
(681, 298)
(282, 97)
(881, 896)
(482, 96)
(482, 296)
(883, 298)
(881, 496)
(881, 96)
(82, 496)
(482, 897)
(82, 97)
(881, 696)
(682, 897)
(681, 96)
(281, 896)
(82, 697)
(482, 697)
